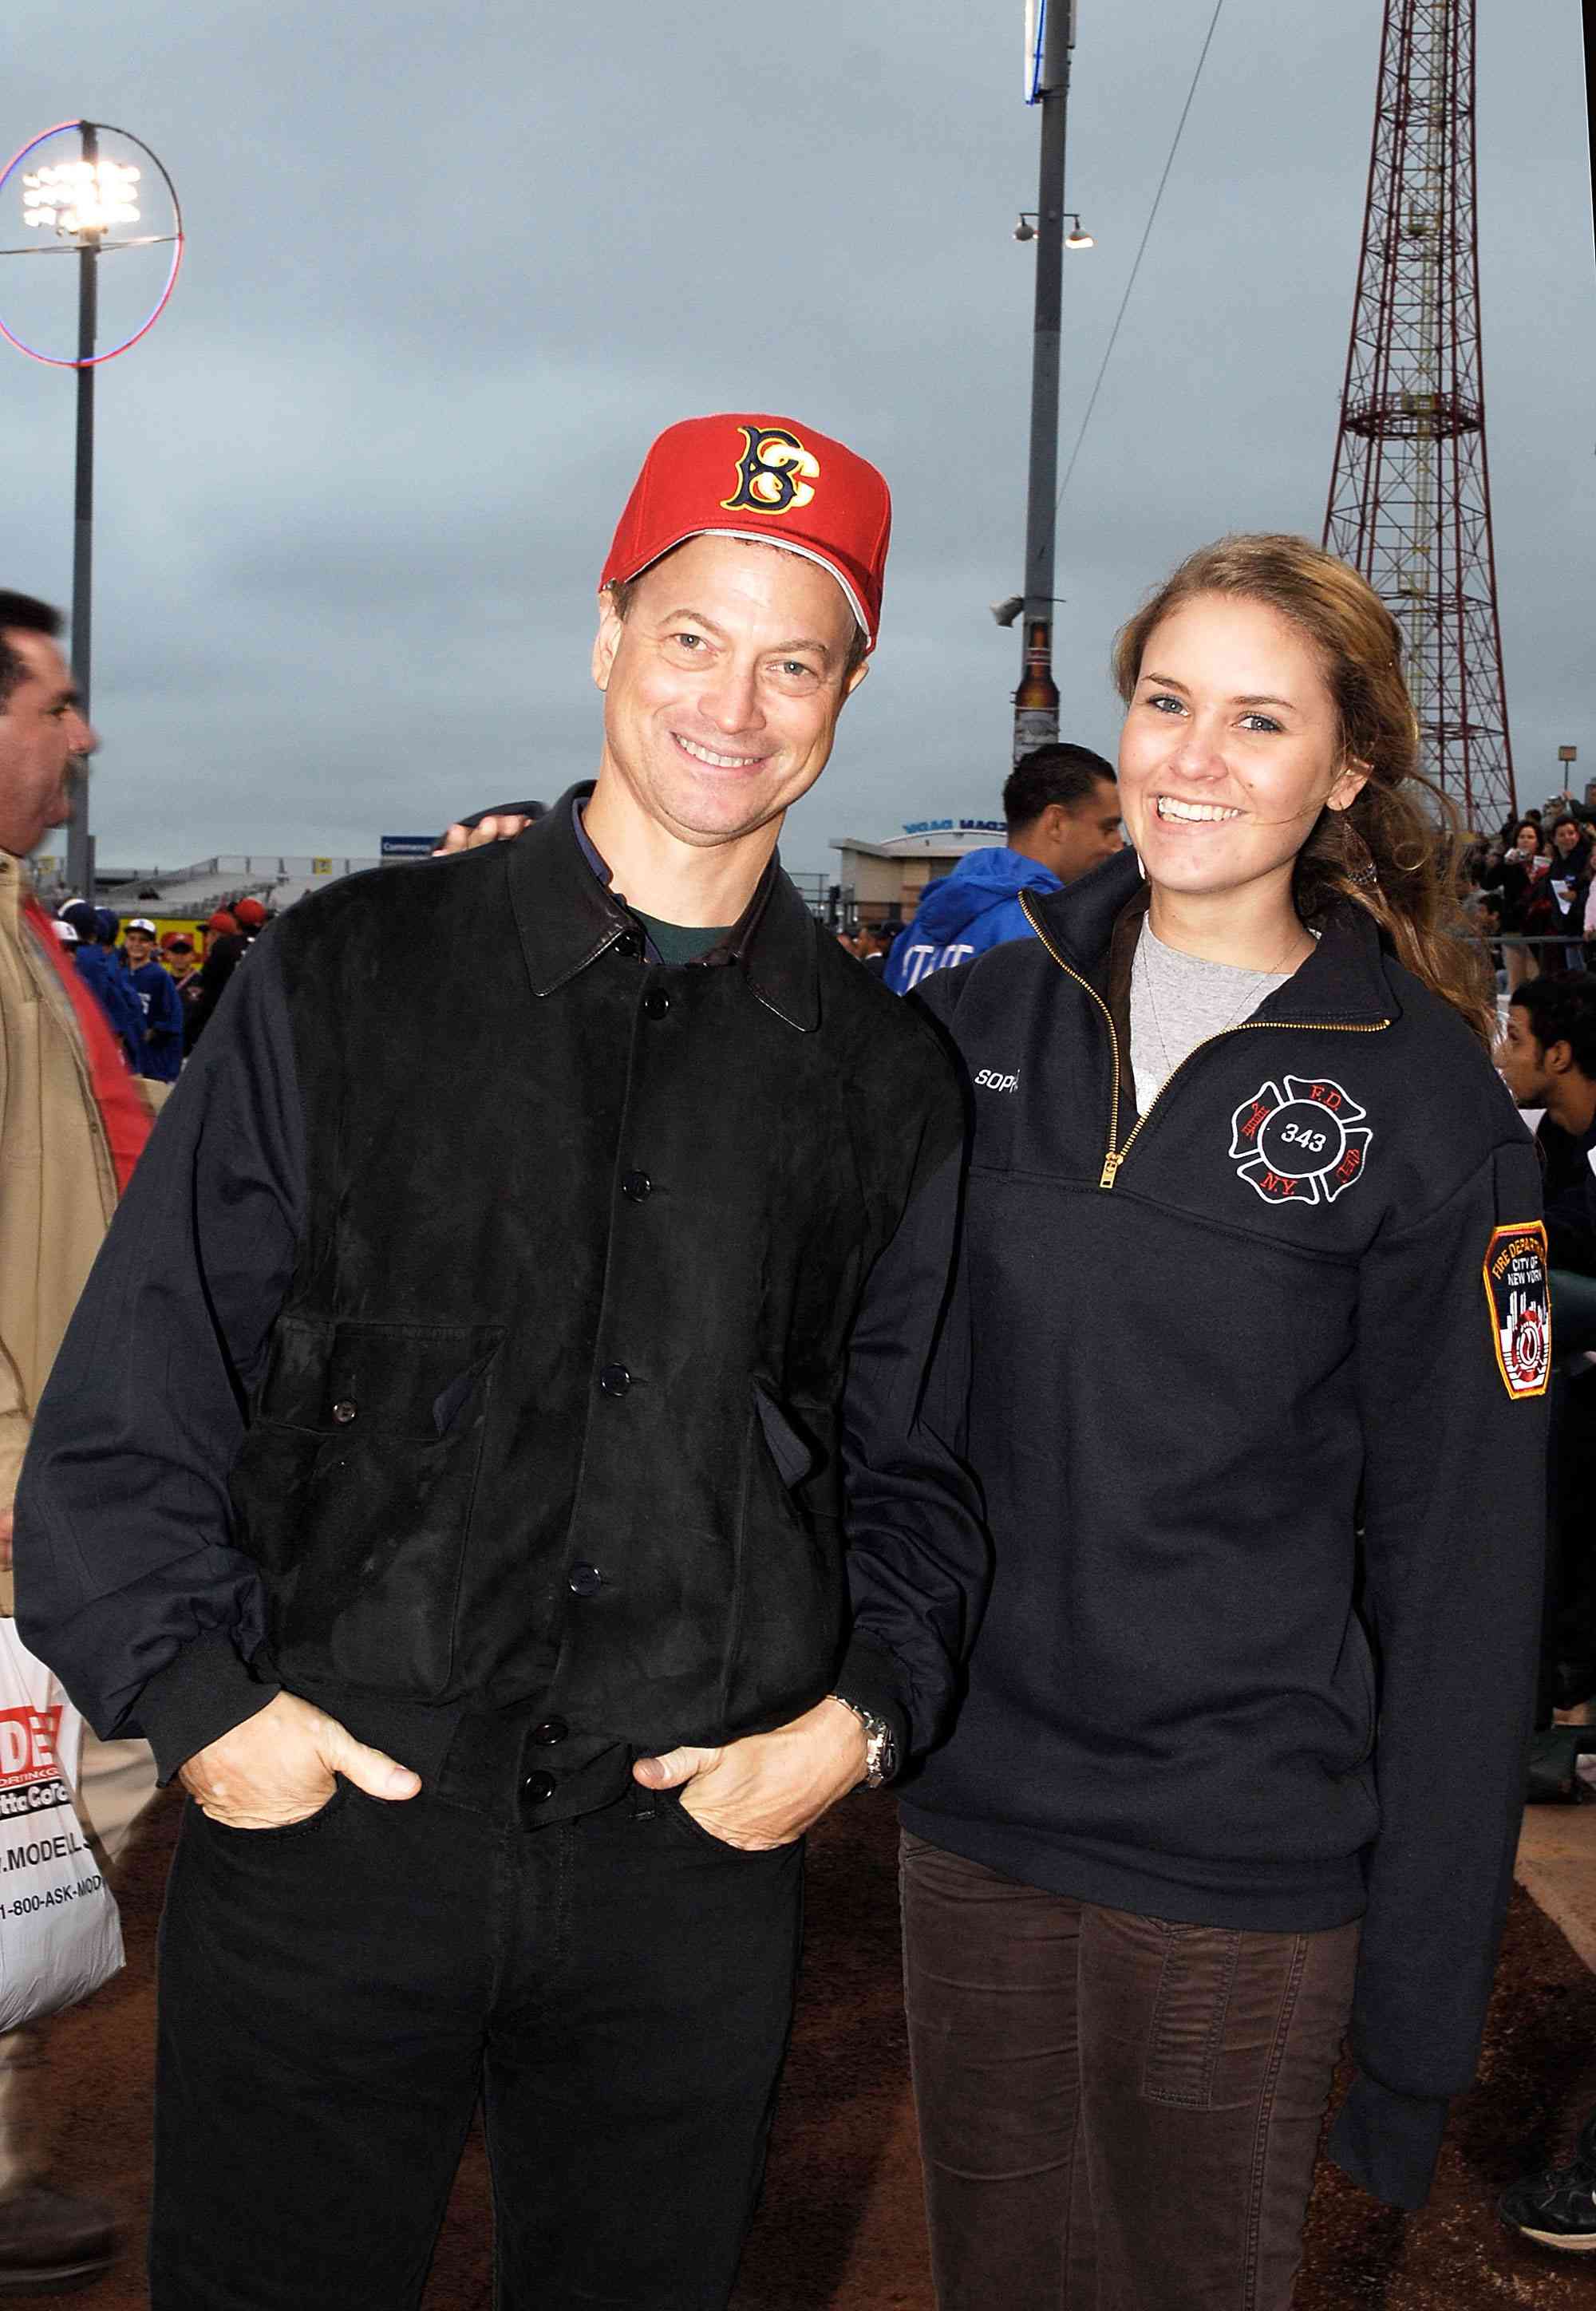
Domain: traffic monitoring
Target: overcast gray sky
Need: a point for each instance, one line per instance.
(449, 270)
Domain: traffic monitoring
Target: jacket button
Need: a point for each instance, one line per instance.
(343, 1414)
(614, 1379)
(656, 1003)
(585, 1580)
(629, 945)
(551, 1730)
(538, 1789)
(637, 1187)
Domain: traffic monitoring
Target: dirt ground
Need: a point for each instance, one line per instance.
(840, 2227)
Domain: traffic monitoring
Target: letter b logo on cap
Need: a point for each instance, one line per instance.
(773, 474)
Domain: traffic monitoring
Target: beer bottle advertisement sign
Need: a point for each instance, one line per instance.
(1036, 701)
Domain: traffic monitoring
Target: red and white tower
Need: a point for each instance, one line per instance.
(1411, 498)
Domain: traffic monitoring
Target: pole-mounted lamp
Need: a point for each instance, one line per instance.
(1077, 236)
(77, 206)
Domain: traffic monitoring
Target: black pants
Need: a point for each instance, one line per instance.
(335, 1995)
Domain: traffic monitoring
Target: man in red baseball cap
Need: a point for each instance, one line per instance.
(477, 1556)
(740, 601)
(763, 480)
(711, 487)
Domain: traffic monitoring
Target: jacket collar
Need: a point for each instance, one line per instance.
(1343, 982)
(567, 918)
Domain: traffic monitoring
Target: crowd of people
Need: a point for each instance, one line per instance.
(1528, 892)
(1086, 1370)
(156, 992)
(1530, 889)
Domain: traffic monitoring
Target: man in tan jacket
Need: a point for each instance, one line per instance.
(72, 1123)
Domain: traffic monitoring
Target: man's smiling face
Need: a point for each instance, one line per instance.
(723, 684)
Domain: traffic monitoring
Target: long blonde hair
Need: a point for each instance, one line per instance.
(1397, 851)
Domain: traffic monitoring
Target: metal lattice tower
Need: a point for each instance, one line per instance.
(1411, 498)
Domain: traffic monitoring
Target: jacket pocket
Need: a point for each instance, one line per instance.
(789, 1448)
(354, 1491)
(789, 1616)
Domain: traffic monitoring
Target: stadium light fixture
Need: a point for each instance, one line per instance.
(79, 200)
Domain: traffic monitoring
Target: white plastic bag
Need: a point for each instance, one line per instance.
(60, 1935)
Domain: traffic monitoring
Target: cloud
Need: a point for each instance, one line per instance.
(448, 273)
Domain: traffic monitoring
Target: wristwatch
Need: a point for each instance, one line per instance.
(881, 1744)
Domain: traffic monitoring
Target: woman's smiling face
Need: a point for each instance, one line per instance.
(1231, 747)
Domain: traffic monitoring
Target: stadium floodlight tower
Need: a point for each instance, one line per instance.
(77, 206)
(1410, 495)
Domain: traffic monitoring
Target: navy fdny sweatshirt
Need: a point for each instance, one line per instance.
(1253, 1384)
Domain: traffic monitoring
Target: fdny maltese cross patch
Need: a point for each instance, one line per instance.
(1517, 1289)
(1303, 1145)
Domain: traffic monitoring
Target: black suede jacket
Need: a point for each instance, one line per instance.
(492, 1325)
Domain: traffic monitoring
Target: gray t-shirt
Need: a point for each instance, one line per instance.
(1178, 1001)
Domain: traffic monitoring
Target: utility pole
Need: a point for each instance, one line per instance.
(1036, 701)
(80, 845)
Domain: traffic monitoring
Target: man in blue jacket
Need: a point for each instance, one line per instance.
(98, 962)
(1061, 808)
(156, 993)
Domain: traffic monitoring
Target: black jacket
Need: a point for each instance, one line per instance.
(1543, 915)
(1199, 1350)
(1510, 880)
(494, 1327)
(224, 951)
(1571, 1215)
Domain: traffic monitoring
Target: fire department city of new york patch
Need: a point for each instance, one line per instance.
(1519, 1295)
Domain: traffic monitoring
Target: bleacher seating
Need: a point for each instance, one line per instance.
(197, 891)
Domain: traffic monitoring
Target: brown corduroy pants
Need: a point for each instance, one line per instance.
(1116, 2112)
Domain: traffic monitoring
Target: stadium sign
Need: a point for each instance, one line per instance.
(955, 826)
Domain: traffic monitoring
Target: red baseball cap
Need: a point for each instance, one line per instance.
(766, 478)
(249, 914)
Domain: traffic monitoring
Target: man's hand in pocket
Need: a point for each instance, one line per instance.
(281, 1765)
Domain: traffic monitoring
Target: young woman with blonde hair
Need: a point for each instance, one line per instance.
(1247, 1347)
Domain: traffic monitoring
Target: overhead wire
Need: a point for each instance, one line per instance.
(1141, 252)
